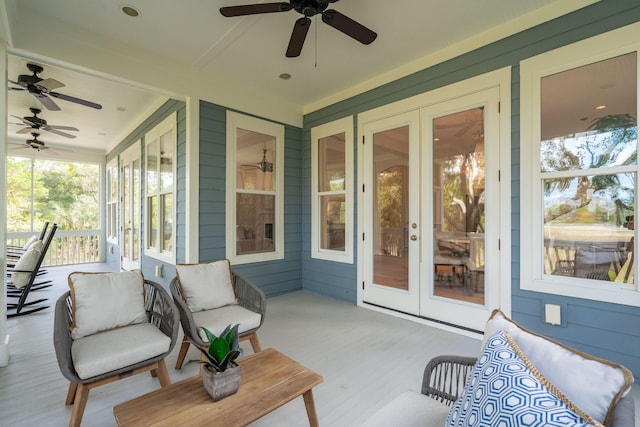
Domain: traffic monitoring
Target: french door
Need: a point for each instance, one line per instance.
(130, 206)
(432, 209)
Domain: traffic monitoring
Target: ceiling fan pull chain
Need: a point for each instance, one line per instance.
(316, 29)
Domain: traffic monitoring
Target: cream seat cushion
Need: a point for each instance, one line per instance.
(206, 286)
(593, 384)
(218, 319)
(110, 350)
(410, 409)
(27, 262)
(103, 301)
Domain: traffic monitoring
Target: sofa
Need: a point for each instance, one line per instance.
(520, 378)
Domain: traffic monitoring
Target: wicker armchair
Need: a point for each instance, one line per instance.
(445, 377)
(161, 313)
(250, 300)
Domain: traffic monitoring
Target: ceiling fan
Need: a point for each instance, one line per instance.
(38, 145)
(262, 165)
(37, 123)
(43, 89)
(307, 8)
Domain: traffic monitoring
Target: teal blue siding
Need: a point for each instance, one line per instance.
(273, 277)
(603, 329)
(148, 264)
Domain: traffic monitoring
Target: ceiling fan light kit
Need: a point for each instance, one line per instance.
(307, 8)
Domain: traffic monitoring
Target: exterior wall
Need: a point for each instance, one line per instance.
(273, 277)
(148, 264)
(602, 329)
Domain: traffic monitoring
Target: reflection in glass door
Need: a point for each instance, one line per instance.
(459, 205)
(391, 202)
(130, 228)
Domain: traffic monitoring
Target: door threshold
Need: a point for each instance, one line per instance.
(429, 319)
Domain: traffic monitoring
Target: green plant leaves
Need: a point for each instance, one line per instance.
(223, 350)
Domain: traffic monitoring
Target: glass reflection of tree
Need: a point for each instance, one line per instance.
(609, 140)
(391, 185)
(463, 195)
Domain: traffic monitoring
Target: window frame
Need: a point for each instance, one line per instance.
(168, 125)
(111, 210)
(532, 278)
(344, 125)
(237, 121)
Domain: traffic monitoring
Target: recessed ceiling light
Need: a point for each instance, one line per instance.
(130, 11)
(601, 107)
(102, 134)
(121, 109)
(285, 76)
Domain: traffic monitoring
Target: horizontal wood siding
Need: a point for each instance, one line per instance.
(273, 277)
(148, 264)
(602, 329)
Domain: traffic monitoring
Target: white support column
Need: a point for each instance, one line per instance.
(4, 337)
(192, 227)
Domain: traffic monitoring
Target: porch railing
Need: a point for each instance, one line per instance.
(67, 246)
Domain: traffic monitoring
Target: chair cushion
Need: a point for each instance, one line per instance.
(27, 262)
(206, 286)
(107, 351)
(102, 301)
(29, 242)
(218, 319)
(593, 384)
(410, 409)
(37, 244)
(504, 389)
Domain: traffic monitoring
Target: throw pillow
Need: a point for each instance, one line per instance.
(24, 268)
(29, 242)
(206, 286)
(595, 385)
(103, 301)
(504, 389)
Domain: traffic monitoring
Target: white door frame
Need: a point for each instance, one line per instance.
(502, 80)
(127, 157)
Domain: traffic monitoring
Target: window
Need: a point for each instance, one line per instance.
(112, 201)
(255, 188)
(579, 140)
(332, 191)
(160, 145)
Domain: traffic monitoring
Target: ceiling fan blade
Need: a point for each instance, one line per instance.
(61, 127)
(57, 132)
(46, 101)
(25, 130)
(299, 34)
(49, 84)
(22, 119)
(348, 26)
(76, 100)
(254, 9)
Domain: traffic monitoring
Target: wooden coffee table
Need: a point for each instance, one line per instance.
(269, 379)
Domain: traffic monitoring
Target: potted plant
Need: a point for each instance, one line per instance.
(221, 374)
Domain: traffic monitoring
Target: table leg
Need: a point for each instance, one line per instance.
(311, 408)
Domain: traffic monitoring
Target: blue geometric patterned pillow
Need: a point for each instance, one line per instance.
(505, 390)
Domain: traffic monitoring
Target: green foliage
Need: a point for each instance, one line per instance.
(223, 350)
(59, 192)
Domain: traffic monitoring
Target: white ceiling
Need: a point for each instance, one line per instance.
(232, 61)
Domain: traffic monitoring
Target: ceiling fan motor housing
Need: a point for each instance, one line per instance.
(309, 7)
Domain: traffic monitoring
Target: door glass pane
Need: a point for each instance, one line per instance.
(458, 205)
(135, 213)
(255, 216)
(391, 208)
(126, 210)
(152, 214)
